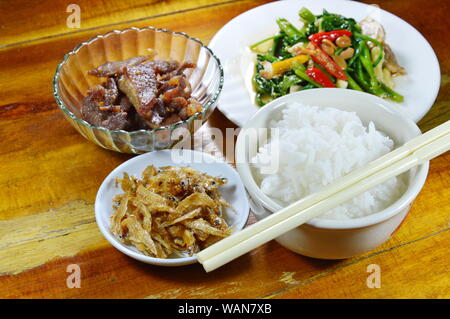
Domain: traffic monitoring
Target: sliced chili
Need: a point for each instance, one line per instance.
(317, 38)
(323, 59)
(317, 75)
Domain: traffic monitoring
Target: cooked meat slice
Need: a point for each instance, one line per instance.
(117, 67)
(105, 96)
(167, 76)
(193, 107)
(187, 65)
(178, 71)
(123, 106)
(111, 91)
(175, 87)
(96, 94)
(140, 94)
(116, 121)
(91, 113)
(390, 62)
(176, 104)
(95, 98)
(373, 29)
(158, 114)
(100, 107)
(140, 85)
(162, 67)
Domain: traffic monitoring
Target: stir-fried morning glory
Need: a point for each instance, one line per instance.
(329, 50)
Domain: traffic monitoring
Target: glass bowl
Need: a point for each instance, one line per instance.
(71, 81)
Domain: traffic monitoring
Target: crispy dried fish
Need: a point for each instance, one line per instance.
(137, 235)
(184, 217)
(204, 226)
(169, 211)
(193, 201)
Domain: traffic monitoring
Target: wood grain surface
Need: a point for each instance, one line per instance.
(49, 176)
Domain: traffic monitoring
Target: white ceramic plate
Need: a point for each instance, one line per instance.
(233, 192)
(419, 87)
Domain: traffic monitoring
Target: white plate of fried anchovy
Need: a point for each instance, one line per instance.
(162, 207)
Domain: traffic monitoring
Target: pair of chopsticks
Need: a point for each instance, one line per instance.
(415, 152)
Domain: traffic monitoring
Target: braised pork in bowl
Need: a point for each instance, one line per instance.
(138, 90)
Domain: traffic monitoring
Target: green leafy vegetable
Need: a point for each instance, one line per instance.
(306, 15)
(360, 71)
(332, 21)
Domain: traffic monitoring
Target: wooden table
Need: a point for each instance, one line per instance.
(49, 176)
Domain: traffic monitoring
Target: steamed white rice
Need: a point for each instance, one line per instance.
(318, 145)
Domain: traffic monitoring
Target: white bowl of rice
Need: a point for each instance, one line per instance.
(301, 142)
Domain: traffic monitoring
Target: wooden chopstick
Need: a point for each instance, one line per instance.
(412, 153)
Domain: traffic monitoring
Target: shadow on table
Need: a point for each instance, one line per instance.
(266, 261)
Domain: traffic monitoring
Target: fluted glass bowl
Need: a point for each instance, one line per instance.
(71, 81)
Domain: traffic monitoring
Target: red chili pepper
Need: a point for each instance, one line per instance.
(331, 35)
(317, 75)
(323, 59)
